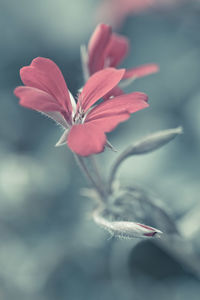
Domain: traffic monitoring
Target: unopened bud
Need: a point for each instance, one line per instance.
(133, 230)
(154, 141)
(146, 145)
(124, 229)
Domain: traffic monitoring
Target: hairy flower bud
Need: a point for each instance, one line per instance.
(124, 229)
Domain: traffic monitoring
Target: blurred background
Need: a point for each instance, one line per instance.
(49, 246)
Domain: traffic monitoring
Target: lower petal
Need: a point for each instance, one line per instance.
(86, 139)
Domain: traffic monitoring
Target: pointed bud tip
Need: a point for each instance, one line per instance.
(152, 232)
(155, 233)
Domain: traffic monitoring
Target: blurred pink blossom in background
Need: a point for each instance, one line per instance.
(114, 12)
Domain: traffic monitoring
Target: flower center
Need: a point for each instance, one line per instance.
(79, 117)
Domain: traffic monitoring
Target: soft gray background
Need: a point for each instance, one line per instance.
(49, 246)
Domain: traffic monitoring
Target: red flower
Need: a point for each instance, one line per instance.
(107, 49)
(85, 125)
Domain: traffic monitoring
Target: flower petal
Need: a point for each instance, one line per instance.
(116, 11)
(36, 99)
(116, 91)
(45, 75)
(99, 85)
(107, 115)
(116, 50)
(108, 122)
(96, 47)
(86, 139)
(125, 103)
(141, 71)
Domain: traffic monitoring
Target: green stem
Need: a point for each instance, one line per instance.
(85, 170)
(97, 170)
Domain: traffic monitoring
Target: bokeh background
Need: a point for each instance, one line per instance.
(49, 246)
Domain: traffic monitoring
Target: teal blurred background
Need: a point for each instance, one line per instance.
(49, 246)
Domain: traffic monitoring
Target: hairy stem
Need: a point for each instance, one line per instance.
(97, 171)
(85, 170)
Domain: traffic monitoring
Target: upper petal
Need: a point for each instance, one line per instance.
(96, 47)
(98, 85)
(116, 50)
(141, 71)
(36, 99)
(86, 139)
(116, 91)
(45, 75)
(123, 103)
(108, 122)
(107, 115)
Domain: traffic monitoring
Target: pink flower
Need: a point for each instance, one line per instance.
(107, 49)
(85, 125)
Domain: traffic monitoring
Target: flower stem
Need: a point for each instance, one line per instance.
(96, 170)
(82, 165)
(114, 169)
(84, 62)
(96, 181)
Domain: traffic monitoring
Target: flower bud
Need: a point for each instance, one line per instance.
(125, 229)
(154, 141)
(133, 230)
(146, 145)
